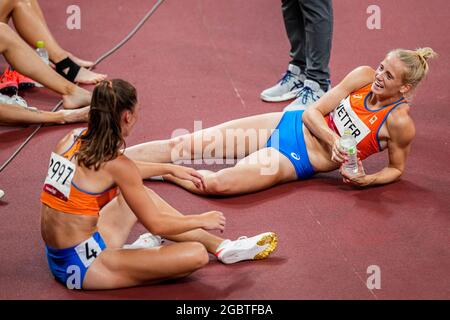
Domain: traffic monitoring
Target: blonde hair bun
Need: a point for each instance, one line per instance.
(426, 53)
(415, 62)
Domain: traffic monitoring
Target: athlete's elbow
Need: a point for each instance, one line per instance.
(397, 174)
(163, 227)
(306, 117)
(158, 228)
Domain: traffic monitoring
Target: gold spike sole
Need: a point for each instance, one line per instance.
(270, 239)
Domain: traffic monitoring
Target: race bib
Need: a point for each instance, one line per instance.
(88, 251)
(345, 118)
(59, 177)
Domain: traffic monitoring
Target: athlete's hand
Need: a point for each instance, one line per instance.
(213, 220)
(189, 174)
(337, 152)
(360, 179)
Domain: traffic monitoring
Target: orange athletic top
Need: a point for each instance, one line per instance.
(353, 114)
(79, 202)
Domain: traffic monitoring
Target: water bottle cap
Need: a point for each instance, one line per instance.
(40, 44)
(347, 132)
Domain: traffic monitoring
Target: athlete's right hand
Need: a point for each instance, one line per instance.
(337, 152)
(189, 174)
(213, 220)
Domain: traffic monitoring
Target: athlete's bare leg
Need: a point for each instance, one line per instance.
(27, 62)
(30, 23)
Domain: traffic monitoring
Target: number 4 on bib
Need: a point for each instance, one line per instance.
(59, 177)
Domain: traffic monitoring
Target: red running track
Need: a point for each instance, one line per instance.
(208, 61)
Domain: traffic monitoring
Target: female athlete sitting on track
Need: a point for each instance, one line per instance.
(371, 103)
(93, 195)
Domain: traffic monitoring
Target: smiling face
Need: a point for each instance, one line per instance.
(389, 78)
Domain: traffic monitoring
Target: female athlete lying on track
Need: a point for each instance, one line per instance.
(93, 195)
(370, 103)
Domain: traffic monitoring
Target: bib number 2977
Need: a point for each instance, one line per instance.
(59, 177)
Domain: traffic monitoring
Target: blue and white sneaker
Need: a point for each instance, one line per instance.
(310, 93)
(287, 87)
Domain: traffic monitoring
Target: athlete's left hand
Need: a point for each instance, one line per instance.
(189, 174)
(360, 179)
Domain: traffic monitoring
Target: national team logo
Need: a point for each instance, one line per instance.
(295, 156)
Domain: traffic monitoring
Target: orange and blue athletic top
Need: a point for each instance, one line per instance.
(79, 202)
(365, 124)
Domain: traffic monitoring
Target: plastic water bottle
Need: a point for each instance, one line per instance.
(42, 52)
(348, 143)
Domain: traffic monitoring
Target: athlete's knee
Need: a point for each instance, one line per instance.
(6, 35)
(196, 255)
(20, 3)
(218, 184)
(180, 148)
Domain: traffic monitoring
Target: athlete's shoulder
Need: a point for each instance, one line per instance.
(363, 71)
(358, 78)
(68, 140)
(122, 167)
(400, 125)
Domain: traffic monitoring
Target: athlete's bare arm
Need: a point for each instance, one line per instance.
(401, 133)
(314, 117)
(149, 169)
(127, 177)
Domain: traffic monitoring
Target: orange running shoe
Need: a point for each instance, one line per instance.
(8, 83)
(23, 82)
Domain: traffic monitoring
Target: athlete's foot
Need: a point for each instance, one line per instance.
(75, 115)
(85, 76)
(254, 248)
(81, 62)
(79, 98)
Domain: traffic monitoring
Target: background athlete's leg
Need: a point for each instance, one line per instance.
(258, 171)
(232, 139)
(27, 62)
(30, 23)
(14, 114)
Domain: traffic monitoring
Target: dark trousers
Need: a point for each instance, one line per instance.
(309, 26)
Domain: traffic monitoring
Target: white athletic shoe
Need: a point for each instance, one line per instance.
(146, 240)
(15, 100)
(254, 248)
(310, 93)
(287, 87)
(2, 193)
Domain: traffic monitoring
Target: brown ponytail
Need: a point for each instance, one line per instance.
(104, 139)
